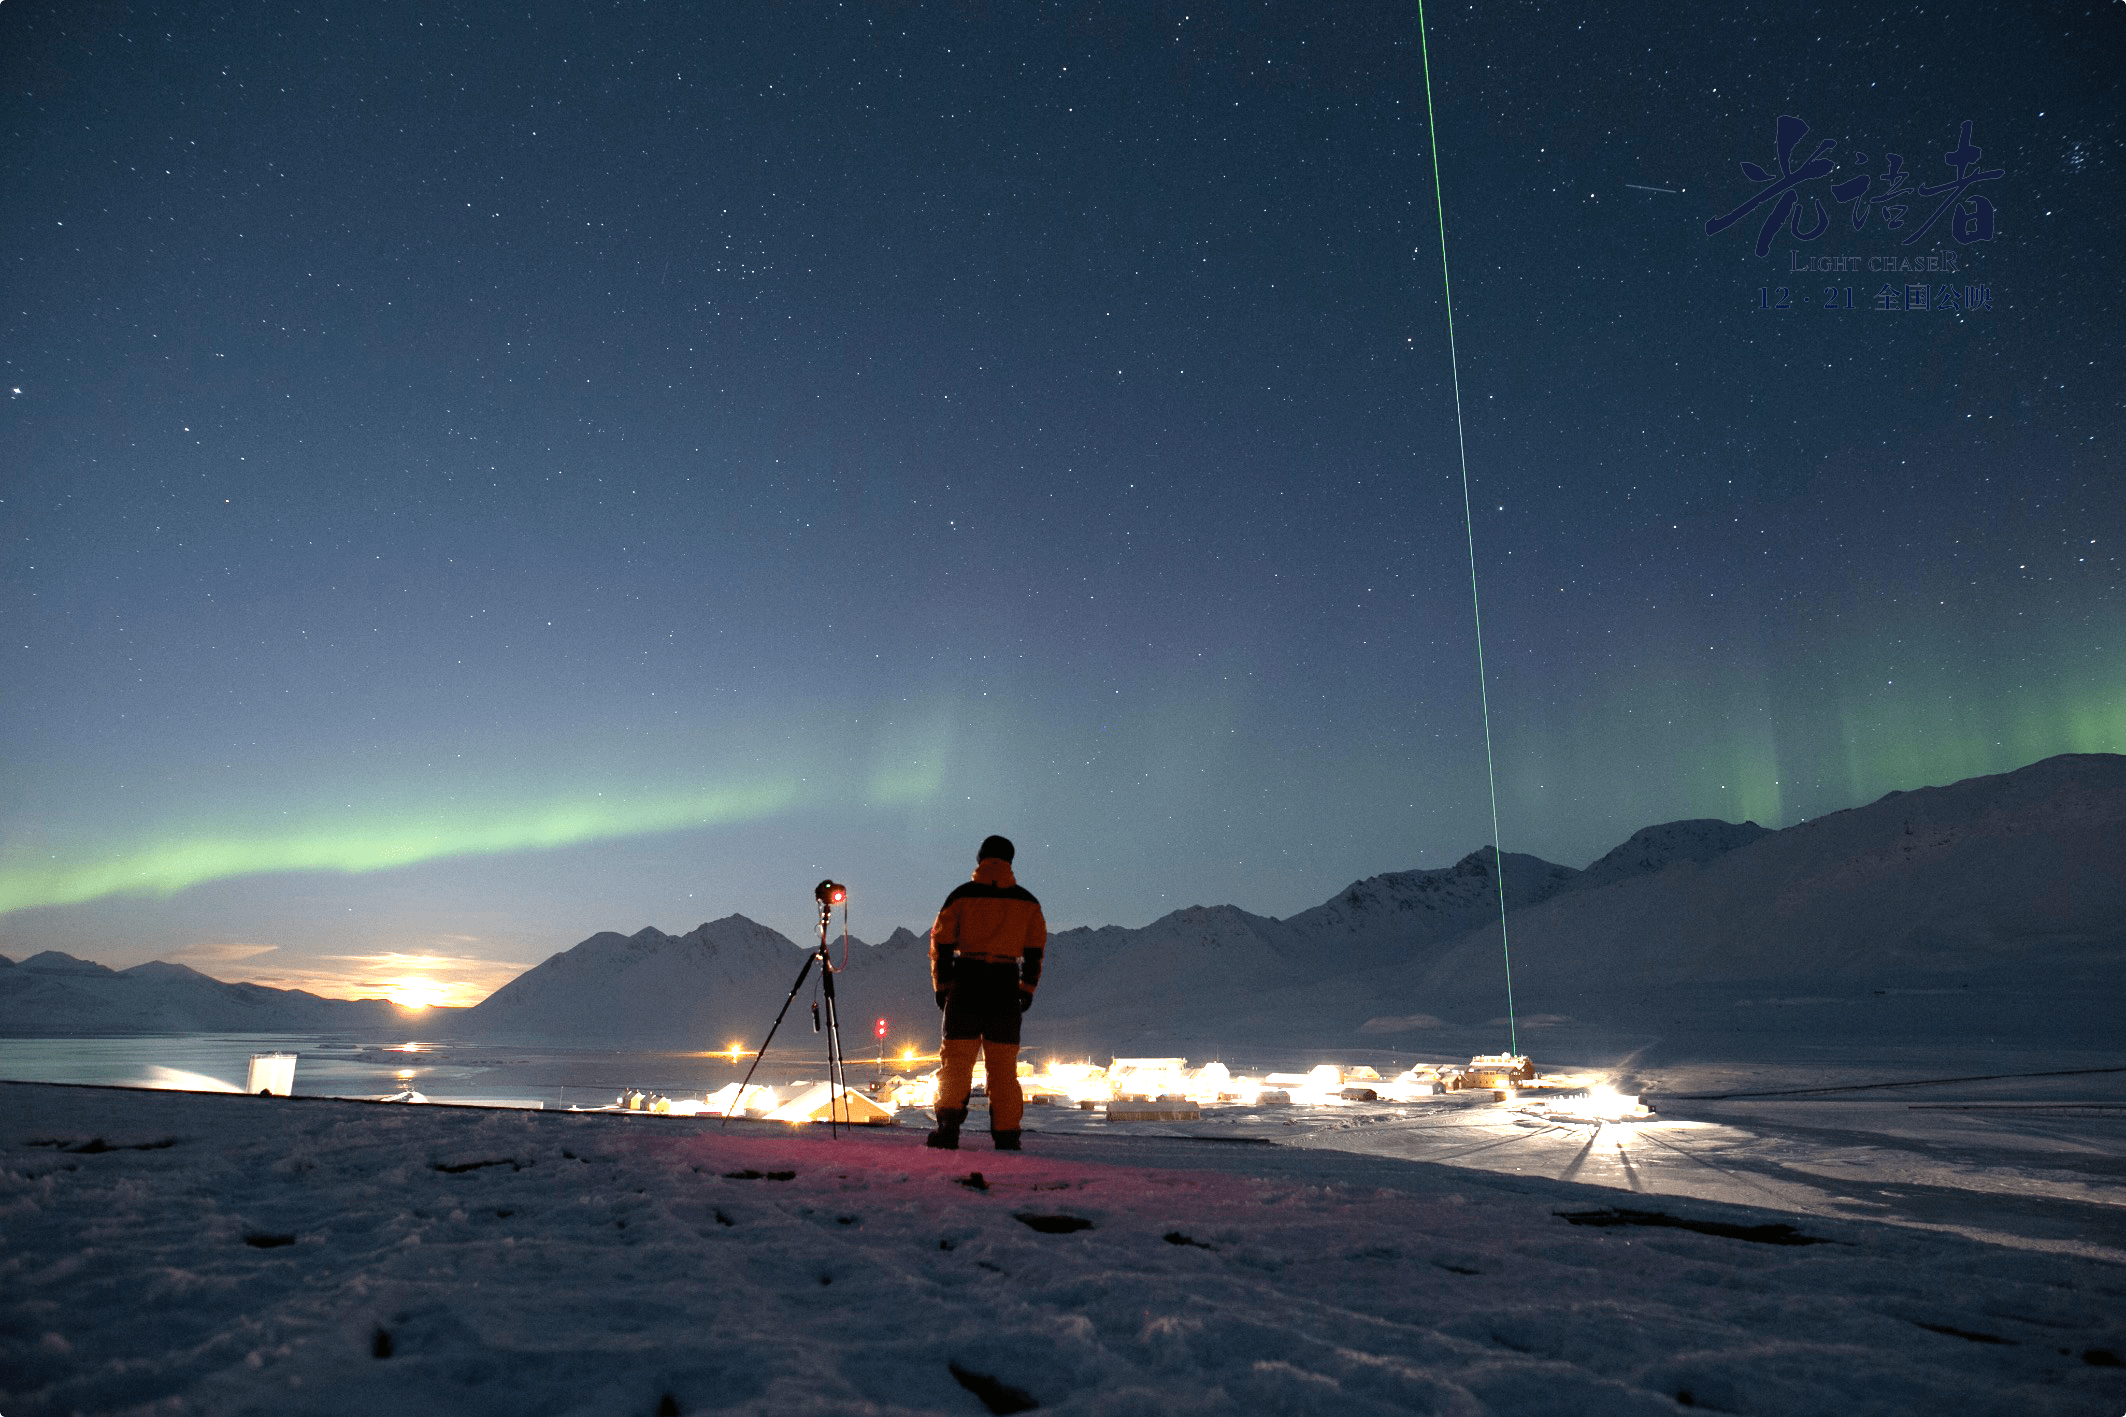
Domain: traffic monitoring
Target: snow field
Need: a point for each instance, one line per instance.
(218, 1254)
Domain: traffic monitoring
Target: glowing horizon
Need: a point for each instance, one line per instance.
(411, 981)
(416, 994)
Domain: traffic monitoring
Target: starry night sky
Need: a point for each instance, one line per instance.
(478, 475)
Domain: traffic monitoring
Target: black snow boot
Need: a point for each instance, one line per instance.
(1006, 1141)
(947, 1135)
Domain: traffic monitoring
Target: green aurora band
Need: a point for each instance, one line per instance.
(381, 844)
(1645, 758)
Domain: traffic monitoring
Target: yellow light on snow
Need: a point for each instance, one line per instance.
(1609, 1104)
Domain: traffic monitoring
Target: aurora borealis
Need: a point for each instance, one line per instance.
(474, 480)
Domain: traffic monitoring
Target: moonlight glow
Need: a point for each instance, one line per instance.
(417, 994)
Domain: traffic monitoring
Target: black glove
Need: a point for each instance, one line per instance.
(1025, 1000)
(944, 997)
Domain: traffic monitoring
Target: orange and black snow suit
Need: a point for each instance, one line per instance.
(986, 950)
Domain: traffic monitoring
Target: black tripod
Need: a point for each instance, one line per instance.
(829, 895)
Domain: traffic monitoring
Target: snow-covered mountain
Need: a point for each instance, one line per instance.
(1996, 905)
(54, 995)
(1653, 849)
(2004, 897)
(1113, 985)
(1386, 919)
(2020, 867)
(719, 983)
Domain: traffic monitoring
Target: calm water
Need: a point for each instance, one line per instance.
(339, 1067)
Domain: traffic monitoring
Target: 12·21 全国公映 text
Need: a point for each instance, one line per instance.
(1968, 299)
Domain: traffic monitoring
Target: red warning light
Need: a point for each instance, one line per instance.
(881, 1029)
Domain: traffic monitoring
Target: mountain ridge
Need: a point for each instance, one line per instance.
(55, 995)
(1948, 880)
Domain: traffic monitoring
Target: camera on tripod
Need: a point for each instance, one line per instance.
(828, 894)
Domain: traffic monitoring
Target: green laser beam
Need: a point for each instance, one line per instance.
(1461, 441)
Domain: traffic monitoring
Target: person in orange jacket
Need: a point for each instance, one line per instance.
(985, 963)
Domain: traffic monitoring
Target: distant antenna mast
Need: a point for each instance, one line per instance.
(1476, 609)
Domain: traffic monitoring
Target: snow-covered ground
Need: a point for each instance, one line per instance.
(1887, 1172)
(2035, 1165)
(178, 1252)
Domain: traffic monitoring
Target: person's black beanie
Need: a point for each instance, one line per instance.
(995, 846)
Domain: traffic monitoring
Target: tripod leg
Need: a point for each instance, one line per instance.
(837, 1090)
(741, 1097)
